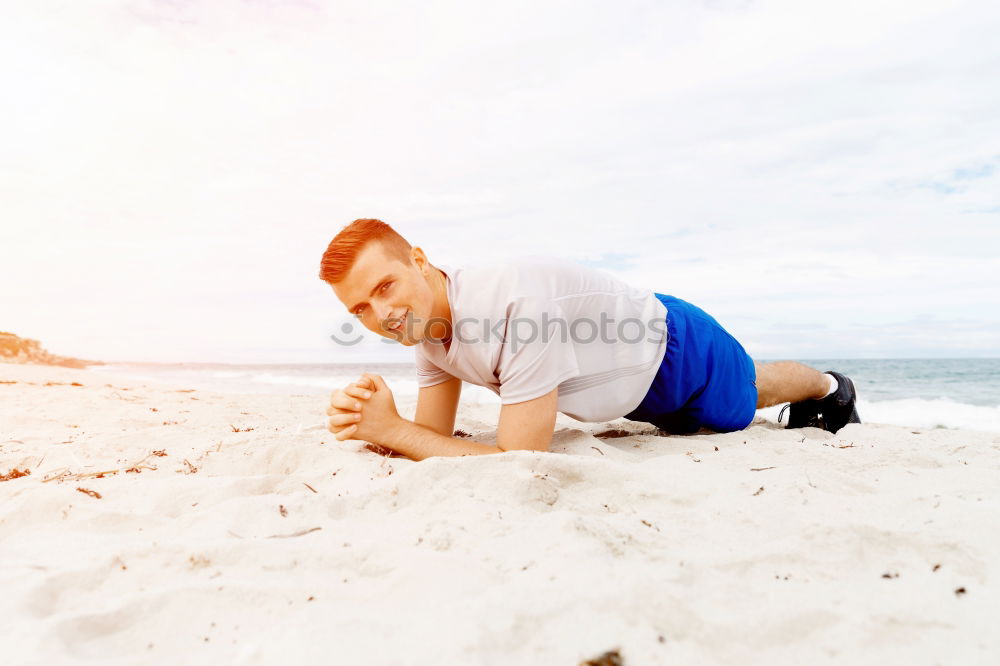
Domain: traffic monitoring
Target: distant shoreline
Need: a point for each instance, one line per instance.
(15, 349)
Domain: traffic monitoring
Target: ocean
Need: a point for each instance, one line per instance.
(920, 393)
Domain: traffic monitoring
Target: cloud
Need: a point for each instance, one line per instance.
(975, 173)
(611, 261)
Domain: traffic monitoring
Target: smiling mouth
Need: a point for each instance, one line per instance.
(398, 325)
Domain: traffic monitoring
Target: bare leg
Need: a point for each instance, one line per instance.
(788, 381)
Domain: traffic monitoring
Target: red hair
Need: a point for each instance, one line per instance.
(345, 247)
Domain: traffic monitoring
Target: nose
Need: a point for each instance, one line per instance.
(384, 314)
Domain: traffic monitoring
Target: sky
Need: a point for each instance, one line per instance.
(823, 178)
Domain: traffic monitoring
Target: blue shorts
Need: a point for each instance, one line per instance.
(706, 379)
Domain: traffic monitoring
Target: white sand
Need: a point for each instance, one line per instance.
(664, 548)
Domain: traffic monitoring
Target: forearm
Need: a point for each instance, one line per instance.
(418, 442)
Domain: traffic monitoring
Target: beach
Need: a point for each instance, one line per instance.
(160, 523)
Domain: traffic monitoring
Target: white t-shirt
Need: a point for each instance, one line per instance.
(523, 327)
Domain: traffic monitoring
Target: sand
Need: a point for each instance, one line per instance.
(246, 534)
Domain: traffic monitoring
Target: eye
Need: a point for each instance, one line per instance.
(385, 287)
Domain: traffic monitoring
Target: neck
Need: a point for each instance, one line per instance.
(442, 308)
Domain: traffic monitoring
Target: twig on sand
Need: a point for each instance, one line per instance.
(598, 450)
(310, 487)
(759, 491)
(761, 469)
(810, 480)
(63, 473)
(295, 534)
(384, 467)
(87, 491)
(55, 475)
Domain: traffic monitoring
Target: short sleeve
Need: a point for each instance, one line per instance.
(537, 353)
(428, 374)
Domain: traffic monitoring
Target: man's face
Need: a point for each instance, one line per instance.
(383, 292)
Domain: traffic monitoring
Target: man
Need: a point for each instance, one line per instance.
(548, 335)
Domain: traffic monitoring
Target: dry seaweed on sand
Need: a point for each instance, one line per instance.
(382, 450)
(609, 658)
(614, 433)
(88, 491)
(14, 474)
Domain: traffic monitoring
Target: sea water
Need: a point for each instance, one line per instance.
(921, 393)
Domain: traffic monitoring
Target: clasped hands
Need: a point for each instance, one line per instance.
(362, 410)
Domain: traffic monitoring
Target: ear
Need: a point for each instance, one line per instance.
(420, 259)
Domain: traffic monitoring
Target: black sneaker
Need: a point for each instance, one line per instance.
(804, 414)
(838, 408)
(830, 413)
